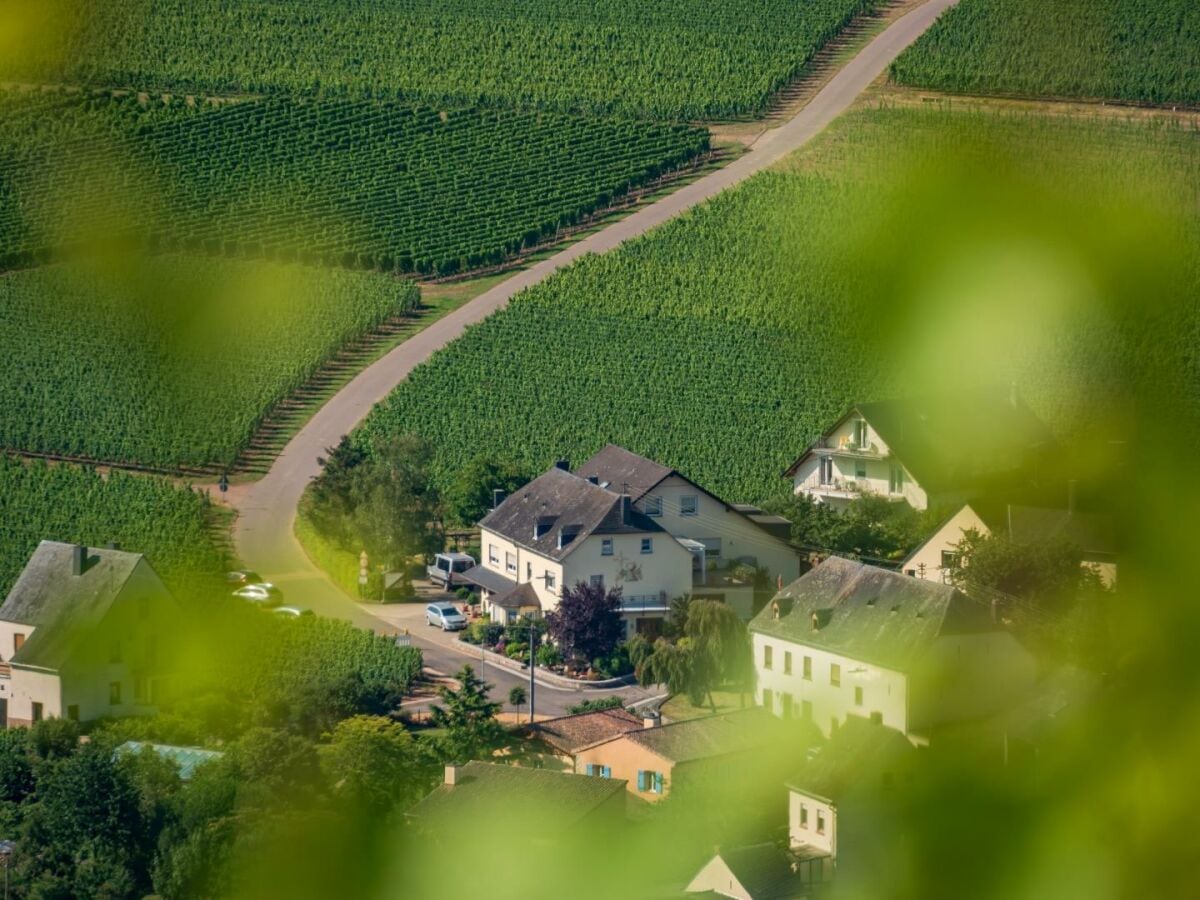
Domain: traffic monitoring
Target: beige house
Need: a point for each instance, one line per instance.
(931, 452)
(562, 529)
(851, 639)
(83, 635)
(1025, 525)
(719, 534)
(651, 759)
(759, 872)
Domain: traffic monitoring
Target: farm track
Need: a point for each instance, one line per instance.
(263, 533)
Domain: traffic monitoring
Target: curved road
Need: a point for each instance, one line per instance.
(267, 508)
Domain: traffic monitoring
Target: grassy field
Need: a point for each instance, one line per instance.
(170, 362)
(673, 59)
(172, 526)
(1145, 51)
(356, 184)
(907, 249)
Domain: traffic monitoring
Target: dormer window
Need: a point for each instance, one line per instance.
(568, 534)
(862, 435)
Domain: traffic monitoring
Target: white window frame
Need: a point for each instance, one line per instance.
(510, 562)
(596, 580)
(652, 506)
(551, 581)
(493, 556)
(647, 546)
(606, 546)
(694, 500)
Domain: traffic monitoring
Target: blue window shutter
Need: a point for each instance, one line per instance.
(591, 769)
(605, 772)
(658, 782)
(641, 780)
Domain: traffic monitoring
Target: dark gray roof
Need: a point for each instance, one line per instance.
(563, 502)
(488, 579)
(860, 755)
(572, 733)
(868, 613)
(709, 736)
(61, 605)
(621, 467)
(965, 439)
(522, 596)
(765, 871)
(531, 799)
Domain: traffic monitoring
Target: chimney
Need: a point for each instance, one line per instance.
(78, 559)
(452, 775)
(112, 545)
(1071, 488)
(497, 497)
(651, 719)
(816, 621)
(564, 464)
(626, 509)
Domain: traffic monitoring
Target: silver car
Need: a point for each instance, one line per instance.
(445, 617)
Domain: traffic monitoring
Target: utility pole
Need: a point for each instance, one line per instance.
(532, 663)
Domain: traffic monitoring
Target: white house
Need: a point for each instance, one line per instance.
(1025, 525)
(83, 634)
(561, 529)
(852, 639)
(931, 452)
(720, 534)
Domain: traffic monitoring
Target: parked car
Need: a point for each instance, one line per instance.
(293, 611)
(244, 576)
(446, 566)
(263, 593)
(445, 617)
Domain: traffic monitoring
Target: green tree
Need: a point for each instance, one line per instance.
(669, 663)
(373, 762)
(468, 716)
(468, 496)
(516, 697)
(720, 647)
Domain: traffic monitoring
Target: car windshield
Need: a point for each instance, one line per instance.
(449, 611)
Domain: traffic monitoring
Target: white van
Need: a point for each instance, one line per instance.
(446, 566)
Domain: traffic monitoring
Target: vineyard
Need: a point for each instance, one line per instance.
(722, 342)
(143, 514)
(364, 185)
(172, 362)
(672, 59)
(1145, 51)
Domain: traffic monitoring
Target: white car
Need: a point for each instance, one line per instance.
(264, 594)
(445, 617)
(292, 611)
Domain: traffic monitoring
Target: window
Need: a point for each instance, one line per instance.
(73, 712)
(606, 547)
(652, 506)
(862, 435)
(858, 696)
(528, 571)
(835, 674)
(37, 712)
(551, 582)
(820, 821)
(949, 559)
(510, 561)
(712, 547)
(860, 469)
(826, 470)
(803, 816)
(493, 556)
(896, 480)
(689, 505)
(785, 701)
(768, 656)
(114, 693)
(648, 781)
(647, 545)
(114, 652)
(596, 581)
(807, 668)
(768, 700)
(598, 771)
(18, 641)
(787, 662)
(605, 772)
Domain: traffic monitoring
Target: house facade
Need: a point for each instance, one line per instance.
(560, 530)
(85, 633)
(847, 639)
(930, 452)
(720, 535)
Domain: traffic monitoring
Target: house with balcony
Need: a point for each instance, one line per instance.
(724, 538)
(1029, 526)
(931, 452)
(562, 529)
(84, 634)
(848, 639)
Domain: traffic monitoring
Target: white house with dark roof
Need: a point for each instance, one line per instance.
(851, 639)
(1030, 526)
(83, 635)
(562, 529)
(930, 451)
(718, 533)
